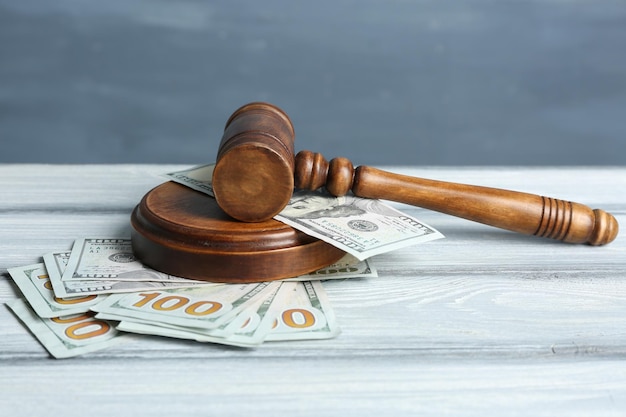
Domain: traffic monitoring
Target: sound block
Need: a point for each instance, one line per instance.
(183, 232)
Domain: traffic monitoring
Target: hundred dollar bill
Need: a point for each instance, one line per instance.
(362, 227)
(68, 335)
(198, 178)
(55, 264)
(306, 313)
(34, 282)
(248, 329)
(179, 333)
(346, 267)
(110, 259)
(205, 307)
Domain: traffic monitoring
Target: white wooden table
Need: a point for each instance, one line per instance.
(484, 322)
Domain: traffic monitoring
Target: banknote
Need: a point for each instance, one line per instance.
(34, 283)
(198, 178)
(55, 264)
(297, 311)
(110, 259)
(205, 307)
(305, 313)
(248, 329)
(247, 317)
(362, 227)
(346, 267)
(68, 335)
(257, 322)
(178, 333)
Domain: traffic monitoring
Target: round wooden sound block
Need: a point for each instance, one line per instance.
(183, 232)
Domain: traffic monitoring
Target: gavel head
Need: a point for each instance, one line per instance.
(253, 178)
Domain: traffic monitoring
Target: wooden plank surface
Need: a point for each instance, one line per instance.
(484, 322)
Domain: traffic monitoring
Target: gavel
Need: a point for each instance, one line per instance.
(256, 172)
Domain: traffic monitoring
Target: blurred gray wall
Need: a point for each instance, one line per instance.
(429, 82)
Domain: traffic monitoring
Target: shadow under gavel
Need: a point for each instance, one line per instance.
(256, 172)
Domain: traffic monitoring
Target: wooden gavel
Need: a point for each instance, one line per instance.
(256, 172)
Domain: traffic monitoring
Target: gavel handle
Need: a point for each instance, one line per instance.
(511, 210)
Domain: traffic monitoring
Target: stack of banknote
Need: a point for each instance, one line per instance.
(97, 294)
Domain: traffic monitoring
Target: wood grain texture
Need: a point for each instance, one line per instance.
(182, 232)
(253, 175)
(484, 322)
(512, 210)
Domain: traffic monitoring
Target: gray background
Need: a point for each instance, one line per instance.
(429, 82)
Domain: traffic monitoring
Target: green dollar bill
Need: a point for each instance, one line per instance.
(34, 282)
(205, 307)
(71, 335)
(111, 259)
(56, 262)
(359, 226)
(248, 329)
(346, 267)
(198, 178)
(305, 313)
